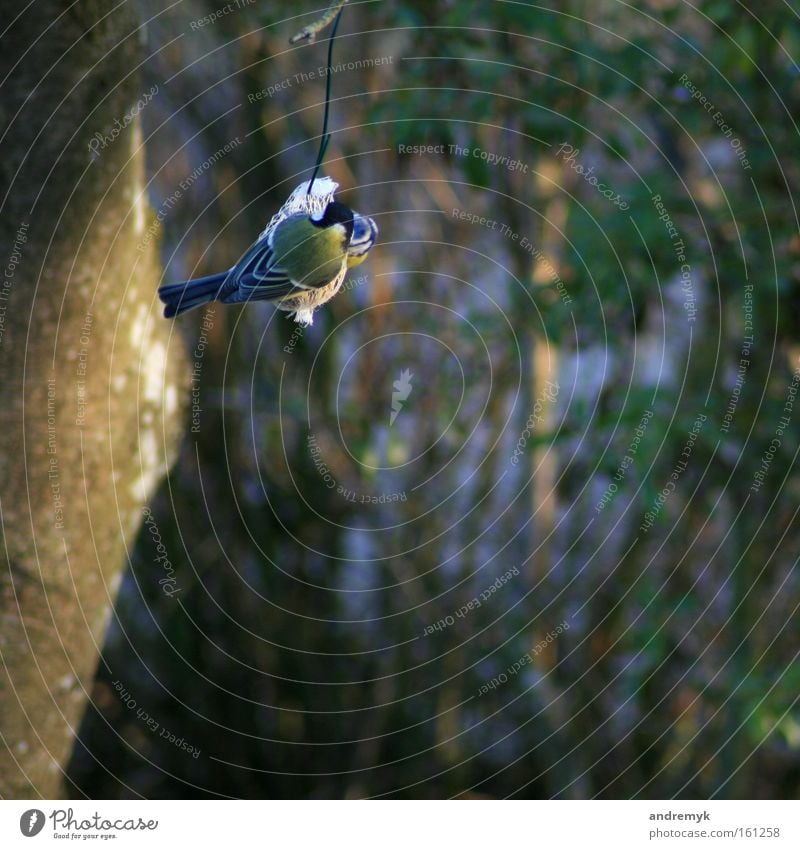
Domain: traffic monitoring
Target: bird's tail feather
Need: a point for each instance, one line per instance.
(180, 297)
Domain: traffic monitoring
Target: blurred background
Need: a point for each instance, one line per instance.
(517, 516)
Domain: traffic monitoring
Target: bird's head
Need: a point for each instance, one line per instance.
(358, 232)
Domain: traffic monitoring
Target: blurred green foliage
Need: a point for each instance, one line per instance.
(295, 655)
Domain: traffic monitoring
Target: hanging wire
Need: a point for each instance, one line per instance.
(326, 136)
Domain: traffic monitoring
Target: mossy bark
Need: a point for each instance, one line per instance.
(89, 402)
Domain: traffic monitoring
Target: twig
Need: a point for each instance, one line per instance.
(310, 32)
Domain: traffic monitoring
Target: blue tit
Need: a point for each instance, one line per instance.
(299, 262)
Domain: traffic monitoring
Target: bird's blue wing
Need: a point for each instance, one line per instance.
(257, 276)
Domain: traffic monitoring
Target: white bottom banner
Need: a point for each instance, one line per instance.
(402, 824)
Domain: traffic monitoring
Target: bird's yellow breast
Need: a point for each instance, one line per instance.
(310, 255)
(353, 261)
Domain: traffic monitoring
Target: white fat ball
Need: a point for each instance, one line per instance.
(300, 201)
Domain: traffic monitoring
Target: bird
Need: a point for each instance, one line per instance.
(299, 261)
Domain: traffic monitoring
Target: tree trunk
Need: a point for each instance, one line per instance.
(89, 405)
